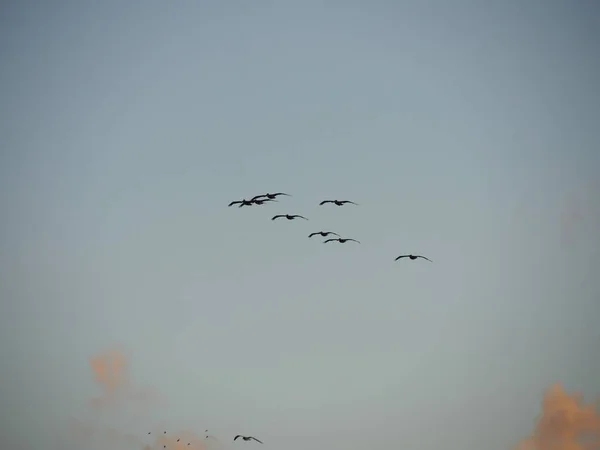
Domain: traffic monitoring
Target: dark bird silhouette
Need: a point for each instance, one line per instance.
(242, 202)
(340, 240)
(337, 202)
(178, 440)
(261, 201)
(413, 257)
(246, 438)
(271, 196)
(288, 216)
(323, 233)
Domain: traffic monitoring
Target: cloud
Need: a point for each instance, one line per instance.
(566, 423)
(111, 372)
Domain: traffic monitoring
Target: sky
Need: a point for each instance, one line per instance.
(133, 299)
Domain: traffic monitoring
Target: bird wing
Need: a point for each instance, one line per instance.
(255, 439)
(325, 201)
(354, 240)
(256, 197)
(302, 217)
(234, 203)
(329, 240)
(419, 256)
(348, 201)
(312, 234)
(281, 193)
(277, 216)
(401, 256)
(335, 234)
(239, 435)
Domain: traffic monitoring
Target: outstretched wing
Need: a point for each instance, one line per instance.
(277, 216)
(313, 234)
(234, 203)
(256, 439)
(301, 217)
(325, 201)
(400, 257)
(348, 201)
(419, 256)
(329, 240)
(256, 197)
(239, 435)
(354, 240)
(281, 193)
(331, 232)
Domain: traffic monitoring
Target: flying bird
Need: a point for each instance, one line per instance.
(288, 216)
(337, 202)
(413, 257)
(242, 202)
(261, 201)
(323, 233)
(340, 240)
(246, 438)
(271, 196)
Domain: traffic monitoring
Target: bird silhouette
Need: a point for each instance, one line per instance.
(242, 202)
(270, 196)
(261, 201)
(412, 257)
(323, 233)
(247, 438)
(337, 202)
(340, 240)
(288, 216)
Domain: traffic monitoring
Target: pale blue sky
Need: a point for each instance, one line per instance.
(466, 130)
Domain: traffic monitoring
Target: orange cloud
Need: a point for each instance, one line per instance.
(566, 423)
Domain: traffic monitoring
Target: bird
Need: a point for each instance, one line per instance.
(337, 202)
(242, 202)
(340, 240)
(271, 196)
(246, 438)
(323, 233)
(413, 257)
(261, 201)
(288, 216)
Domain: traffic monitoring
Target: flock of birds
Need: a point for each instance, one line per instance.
(261, 199)
(245, 438)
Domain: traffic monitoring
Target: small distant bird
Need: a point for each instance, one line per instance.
(178, 440)
(242, 202)
(261, 201)
(246, 438)
(323, 233)
(288, 216)
(337, 202)
(413, 257)
(340, 240)
(271, 196)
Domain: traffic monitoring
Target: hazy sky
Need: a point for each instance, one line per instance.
(468, 131)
